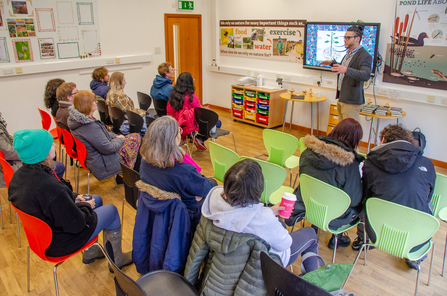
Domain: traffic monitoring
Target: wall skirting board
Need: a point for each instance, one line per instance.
(437, 163)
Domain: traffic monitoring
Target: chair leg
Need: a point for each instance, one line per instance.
(291, 177)
(55, 278)
(1, 214)
(296, 179)
(417, 280)
(445, 253)
(78, 169)
(192, 145)
(335, 248)
(234, 141)
(431, 262)
(88, 183)
(355, 262)
(10, 215)
(18, 229)
(27, 275)
(364, 239)
(122, 215)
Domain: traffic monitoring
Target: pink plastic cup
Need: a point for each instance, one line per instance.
(287, 201)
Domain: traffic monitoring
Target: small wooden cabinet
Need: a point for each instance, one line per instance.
(257, 105)
(333, 117)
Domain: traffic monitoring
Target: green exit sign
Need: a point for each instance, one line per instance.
(185, 5)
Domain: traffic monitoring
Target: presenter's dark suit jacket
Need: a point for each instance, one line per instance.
(359, 70)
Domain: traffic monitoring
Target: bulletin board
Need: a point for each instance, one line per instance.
(33, 31)
(267, 39)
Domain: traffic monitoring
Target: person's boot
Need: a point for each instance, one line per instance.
(91, 254)
(114, 238)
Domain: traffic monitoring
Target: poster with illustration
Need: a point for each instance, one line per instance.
(21, 27)
(417, 45)
(268, 39)
(19, 7)
(4, 55)
(22, 50)
(47, 48)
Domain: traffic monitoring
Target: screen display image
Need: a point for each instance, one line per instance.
(325, 41)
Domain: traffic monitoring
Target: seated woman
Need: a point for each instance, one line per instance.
(11, 156)
(235, 210)
(117, 98)
(181, 106)
(162, 166)
(104, 149)
(73, 220)
(333, 159)
(50, 95)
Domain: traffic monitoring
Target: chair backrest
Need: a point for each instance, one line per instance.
(38, 233)
(69, 143)
(301, 145)
(399, 228)
(149, 120)
(280, 146)
(160, 107)
(7, 170)
(135, 122)
(274, 177)
(59, 135)
(439, 198)
(279, 281)
(144, 100)
(222, 159)
(81, 151)
(130, 176)
(206, 119)
(323, 202)
(117, 118)
(103, 110)
(46, 119)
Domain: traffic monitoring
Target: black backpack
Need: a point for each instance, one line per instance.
(420, 138)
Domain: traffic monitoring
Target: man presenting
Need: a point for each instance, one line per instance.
(162, 87)
(355, 68)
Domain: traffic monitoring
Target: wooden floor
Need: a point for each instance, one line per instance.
(384, 274)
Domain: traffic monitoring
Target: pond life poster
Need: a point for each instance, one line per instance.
(267, 39)
(22, 50)
(417, 44)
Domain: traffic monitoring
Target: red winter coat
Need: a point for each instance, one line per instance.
(185, 117)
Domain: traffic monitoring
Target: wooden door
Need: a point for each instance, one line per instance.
(183, 37)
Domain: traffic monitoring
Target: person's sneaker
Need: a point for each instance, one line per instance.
(414, 264)
(358, 243)
(343, 241)
(199, 144)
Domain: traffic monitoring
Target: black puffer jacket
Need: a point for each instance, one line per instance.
(333, 162)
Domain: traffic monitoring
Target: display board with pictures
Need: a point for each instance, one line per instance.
(33, 31)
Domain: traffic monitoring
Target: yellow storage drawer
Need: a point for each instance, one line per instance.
(333, 110)
(330, 128)
(333, 119)
(249, 115)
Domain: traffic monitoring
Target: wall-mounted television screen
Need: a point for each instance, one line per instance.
(325, 41)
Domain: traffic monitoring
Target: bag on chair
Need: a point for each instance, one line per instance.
(329, 277)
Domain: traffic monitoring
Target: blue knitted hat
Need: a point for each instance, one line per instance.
(32, 145)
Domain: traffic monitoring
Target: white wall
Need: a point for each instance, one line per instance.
(126, 28)
(431, 119)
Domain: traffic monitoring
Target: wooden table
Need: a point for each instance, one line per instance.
(307, 99)
(387, 116)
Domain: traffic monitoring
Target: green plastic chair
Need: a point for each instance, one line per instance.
(398, 229)
(439, 201)
(301, 145)
(281, 147)
(274, 177)
(222, 159)
(324, 203)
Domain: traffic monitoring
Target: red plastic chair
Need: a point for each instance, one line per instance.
(67, 139)
(81, 153)
(8, 172)
(39, 237)
(46, 123)
(58, 137)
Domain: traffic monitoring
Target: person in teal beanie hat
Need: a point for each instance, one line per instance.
(33, 145)
(74, 219)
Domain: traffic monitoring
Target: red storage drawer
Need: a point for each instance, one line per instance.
(262, 119)
(238, 113)
(263, 102)
(250, 104)
(252, 110)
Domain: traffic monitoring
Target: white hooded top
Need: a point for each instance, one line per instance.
(254, 219)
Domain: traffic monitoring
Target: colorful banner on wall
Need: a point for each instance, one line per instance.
(417, 44)
(269, 39)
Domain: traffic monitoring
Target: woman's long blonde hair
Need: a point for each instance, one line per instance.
(159, 147)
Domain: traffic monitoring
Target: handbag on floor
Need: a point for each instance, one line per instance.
(329, 277)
